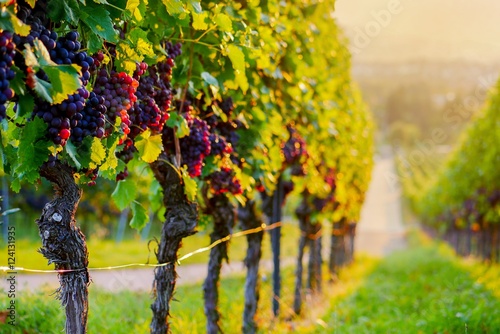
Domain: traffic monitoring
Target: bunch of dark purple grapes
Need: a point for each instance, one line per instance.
(154, 94)
(196, 146)
(118, 91)
(224, 181)
(293, 150)
(7, 53)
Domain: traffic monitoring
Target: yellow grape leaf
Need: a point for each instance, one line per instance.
(199, 21)
(237, 57)
(149, 146)
(190, 186)
(98, 153)
(224, 22)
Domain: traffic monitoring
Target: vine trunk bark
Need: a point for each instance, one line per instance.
(181, 219)
(249, 219)
(64, 245)
(303, 213)
(224, 220)
(337, 248)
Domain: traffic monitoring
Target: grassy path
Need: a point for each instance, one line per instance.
(425, 289)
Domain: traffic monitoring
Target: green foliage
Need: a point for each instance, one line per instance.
(471, 174)
(282, 64)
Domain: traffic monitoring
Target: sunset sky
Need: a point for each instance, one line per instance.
(423, 29)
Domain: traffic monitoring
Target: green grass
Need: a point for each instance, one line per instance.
(104, 253)
(425, 289)
(129, 312)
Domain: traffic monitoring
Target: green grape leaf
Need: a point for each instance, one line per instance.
(64, 10)
(25, 105)
(97, 18)
(124, 193)
(209, 79)
(179, 123)
(149, 146)
(94, 42)
(140, 216)
(18, 84)
(174, 6)
(224, 22)
(33, 148)
(64, 81)
(195, 6)
(42, 88)
(190, 186)
(71, 150)
(15, 185)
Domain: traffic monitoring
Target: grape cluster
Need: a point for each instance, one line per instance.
(92, 119)
(173, 50)
(7, 53)
(154, 95)
(81, 114)
(294, 148)
(224, 181)
(118, 91)
(196, 146)
(219, 146)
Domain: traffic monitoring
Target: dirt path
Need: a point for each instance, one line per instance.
(134, 279)
(381, 230)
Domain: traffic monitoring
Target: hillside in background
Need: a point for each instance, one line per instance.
(422, 30)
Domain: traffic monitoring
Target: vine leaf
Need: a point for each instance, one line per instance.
(179, 123)
(237, 58)
(149, 146)
(71, 150)
(139, 216)
(25, 105)
(64, 81)
(64, 10)
(224, 22)
(209, 79)
(190, 186)
(124, 193)
(195, 6)
(174, 6)
(97, 18)
(33, 148)
(199, 21)
(9, 21)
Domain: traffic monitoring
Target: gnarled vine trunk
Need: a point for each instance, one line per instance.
(315, 260)
(181, 219)
(303, 213)
(64, 245)
(249, 219)
(224, 219)
(337, 248)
